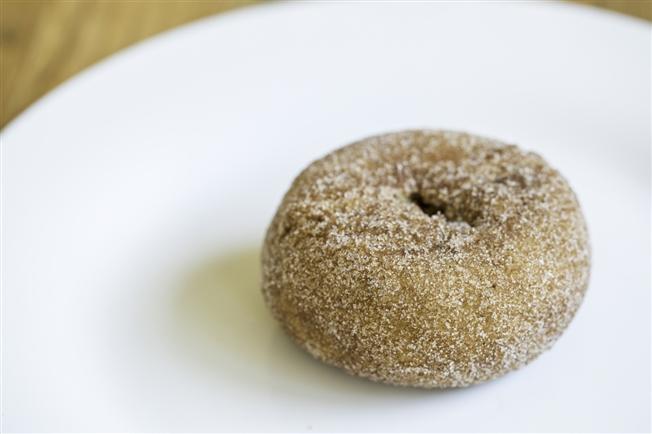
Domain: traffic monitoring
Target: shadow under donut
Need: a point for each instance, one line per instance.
(221, 310)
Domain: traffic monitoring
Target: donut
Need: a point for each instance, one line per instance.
(426, 258)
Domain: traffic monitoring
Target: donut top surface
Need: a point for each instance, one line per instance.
(427, 258)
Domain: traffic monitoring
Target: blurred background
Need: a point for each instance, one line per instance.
(45, 42)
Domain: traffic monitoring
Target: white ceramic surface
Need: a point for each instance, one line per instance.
(135, 198)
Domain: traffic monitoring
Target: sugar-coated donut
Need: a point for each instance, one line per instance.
(427, 258)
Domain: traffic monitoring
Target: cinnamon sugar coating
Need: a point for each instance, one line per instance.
(427, 258)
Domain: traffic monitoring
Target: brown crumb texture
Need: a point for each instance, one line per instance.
(427, 258)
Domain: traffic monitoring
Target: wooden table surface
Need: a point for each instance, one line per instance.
(45, 42)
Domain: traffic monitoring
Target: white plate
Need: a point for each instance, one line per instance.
(135, 198)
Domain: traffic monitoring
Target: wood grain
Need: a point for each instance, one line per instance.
(635, 8)
(43, 43)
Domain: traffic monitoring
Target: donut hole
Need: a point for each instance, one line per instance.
(450, 213)
(428, 208)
